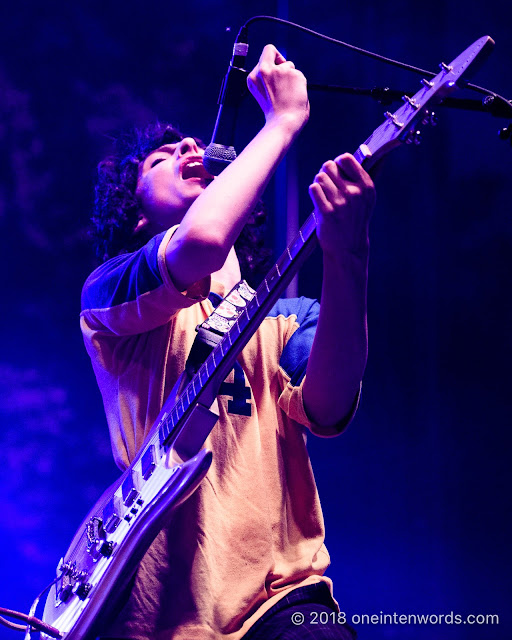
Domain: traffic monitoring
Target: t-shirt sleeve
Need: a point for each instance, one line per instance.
(134, 293)
(293, 364)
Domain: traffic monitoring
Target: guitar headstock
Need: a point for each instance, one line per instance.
(401, 126)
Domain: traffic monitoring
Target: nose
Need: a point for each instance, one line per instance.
(188, 145)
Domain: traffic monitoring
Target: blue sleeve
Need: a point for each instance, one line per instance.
(133, 293)
(294, 358)
(124, 278)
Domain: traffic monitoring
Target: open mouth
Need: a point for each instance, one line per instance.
(194, 168)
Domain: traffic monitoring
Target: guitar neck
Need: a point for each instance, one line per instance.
(119, 529)
(204, 386)
(396, 129)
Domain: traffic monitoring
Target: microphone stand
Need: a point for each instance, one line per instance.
(385, 96)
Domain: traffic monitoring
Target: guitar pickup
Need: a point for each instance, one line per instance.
(148, 462)
(112, 514)
(130, 488)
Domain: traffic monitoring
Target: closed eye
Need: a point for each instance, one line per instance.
(156, 161)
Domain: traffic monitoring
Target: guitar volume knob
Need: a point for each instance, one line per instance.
(83, 590)
(65, 592)
(106, 549)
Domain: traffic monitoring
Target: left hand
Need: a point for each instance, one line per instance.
(344, 197)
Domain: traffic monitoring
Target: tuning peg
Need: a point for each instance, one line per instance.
(413, 137)
(411, 101)
(445, 67)
(392, 117)
(505, 133)
(430, 118)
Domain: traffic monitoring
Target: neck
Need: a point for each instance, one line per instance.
(229, 274)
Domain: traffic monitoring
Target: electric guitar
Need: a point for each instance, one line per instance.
(119, 529)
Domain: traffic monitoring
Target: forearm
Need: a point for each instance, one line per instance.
(214, 221)
(344, 197)
(339, 352)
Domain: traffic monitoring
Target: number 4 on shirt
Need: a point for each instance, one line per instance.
(238, 391)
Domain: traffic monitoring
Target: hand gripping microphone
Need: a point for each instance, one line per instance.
(221, 152)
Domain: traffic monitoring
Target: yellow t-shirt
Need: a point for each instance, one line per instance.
(253, 530)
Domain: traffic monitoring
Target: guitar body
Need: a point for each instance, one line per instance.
(100, 564)
(112, 540)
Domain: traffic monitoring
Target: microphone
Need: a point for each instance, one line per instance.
(221, 152)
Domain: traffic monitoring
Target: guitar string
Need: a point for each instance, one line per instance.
(190, 392)
(175, 414)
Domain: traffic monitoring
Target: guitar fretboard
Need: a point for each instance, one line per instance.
(204, 385)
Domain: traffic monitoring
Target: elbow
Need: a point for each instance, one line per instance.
(209, 250)
(330, 416)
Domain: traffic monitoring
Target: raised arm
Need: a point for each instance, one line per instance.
(344, 197)
(212, 224)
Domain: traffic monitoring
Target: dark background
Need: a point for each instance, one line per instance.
(416, 493)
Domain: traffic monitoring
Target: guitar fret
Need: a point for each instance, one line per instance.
(289, 254)
(252, 307)
(102, 575)
(168, 428)
(242, 320)
(283, 263)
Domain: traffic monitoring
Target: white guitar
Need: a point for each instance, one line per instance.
(117, 532)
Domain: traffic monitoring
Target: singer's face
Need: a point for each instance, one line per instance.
(170, 179)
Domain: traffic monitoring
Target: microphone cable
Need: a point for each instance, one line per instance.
(491, 96)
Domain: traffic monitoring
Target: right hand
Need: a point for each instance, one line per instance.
(344, 197)
(280, 89)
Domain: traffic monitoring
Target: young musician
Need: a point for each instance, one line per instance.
(246, 550)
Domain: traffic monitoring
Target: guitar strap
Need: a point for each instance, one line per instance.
(212, 330)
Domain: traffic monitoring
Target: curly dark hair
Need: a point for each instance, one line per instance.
(116, 208)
